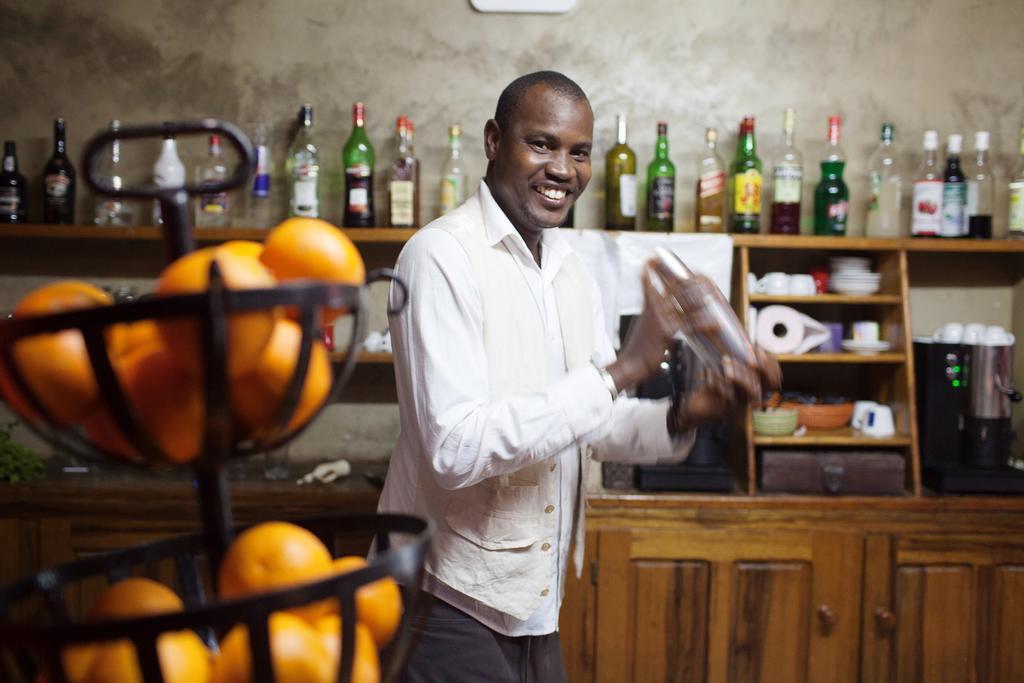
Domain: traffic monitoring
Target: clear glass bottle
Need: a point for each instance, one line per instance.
(259, 199)
(168, 171)
(302, 168)
(954, 190)
(787, 182)
(12, 187)
(886, 182)
(404, 184)
(111, 210)
(1016, 223)
(711, 200)
(926, 212)
(213, 209)
(453, 173)
(620, 181)
(981, 188)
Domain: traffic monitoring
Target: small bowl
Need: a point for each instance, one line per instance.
(780, 422)
(822, 415)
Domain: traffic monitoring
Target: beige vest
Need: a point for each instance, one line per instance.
(489, 536)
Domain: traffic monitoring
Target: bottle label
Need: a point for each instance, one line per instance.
(954, 198)
(358, 171)
(402, 194)
(662, 199)
(9, 201)
(627, 195)
(747, 193)
(926, 213)
(110, 211)
(1017, 206)
(450, 193)
(711, 184)
(788, 183)
(9, 164)
(837, 213)
(875, 183)
(56, 186)
(215, 203)
(305, 202)
(261, 181)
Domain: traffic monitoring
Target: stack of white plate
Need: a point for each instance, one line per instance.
(865, 348)
(850, 275)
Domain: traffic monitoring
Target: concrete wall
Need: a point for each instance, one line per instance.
(947, 64)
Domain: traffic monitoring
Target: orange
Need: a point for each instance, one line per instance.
(246, 248)
(273, 555)
(139, 334)
(135, 597)
(313, 249)
(248, 332)
(257, 395)
(102, 431)
(378, 604)
(297, 652)
(56, 366)
(366, 664)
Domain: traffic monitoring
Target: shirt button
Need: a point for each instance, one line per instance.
(544, 593)
(551, 467)
(549, 509)
(546, 547)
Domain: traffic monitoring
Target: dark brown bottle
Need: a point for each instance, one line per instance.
(59, 182)
(12, 187)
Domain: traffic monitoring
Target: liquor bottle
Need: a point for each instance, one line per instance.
(168, 171)
(620, 179)
(453, 174)
(213, 209)
(259, 198)
(926, 212)
(302, 168)
(787, 183)
(886, 182)
(954, 191)
(981, 189)
(661, 185)
(710, 202)
(746, 182)
(12, 187)
(1017, 196)
(832, 197)
(358, 160)
(59, 181)
(113, 210)
(404, 184)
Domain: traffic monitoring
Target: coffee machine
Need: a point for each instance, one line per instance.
(964, 398)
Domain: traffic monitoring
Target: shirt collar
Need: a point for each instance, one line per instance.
(498, 228)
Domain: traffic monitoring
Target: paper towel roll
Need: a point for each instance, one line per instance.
(780, 329)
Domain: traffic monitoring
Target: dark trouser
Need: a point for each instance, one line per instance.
(453, 647)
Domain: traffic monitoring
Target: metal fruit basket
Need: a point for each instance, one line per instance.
(26, 645)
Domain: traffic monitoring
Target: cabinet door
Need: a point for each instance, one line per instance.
(943, 608)
(727, 606)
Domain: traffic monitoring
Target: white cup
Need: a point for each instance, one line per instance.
(865, 331)
(802, 284)
(878, 422)
(950, 333)
(997, 336)
(774, 283)
(974, 333)
(860, 409)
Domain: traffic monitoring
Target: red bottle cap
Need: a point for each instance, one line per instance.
(358, 113)
(748, 125)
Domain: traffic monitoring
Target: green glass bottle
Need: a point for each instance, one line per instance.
(358, 160)
(832, 197)
(746, 182)
(661, 185)
(620, 179)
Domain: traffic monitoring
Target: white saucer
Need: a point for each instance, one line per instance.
(865, 347)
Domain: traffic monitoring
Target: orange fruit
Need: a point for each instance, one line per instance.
(56, 366)
(134, 597)
(366, 664)
(247, 248)
(257, 395)
(297, 652)
(137, 335)
(378, 604)
(313, 249)
(248, 332)
(274, 555)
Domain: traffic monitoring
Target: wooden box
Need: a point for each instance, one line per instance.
(832, 472)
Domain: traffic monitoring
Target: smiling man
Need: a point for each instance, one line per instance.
(508, 385)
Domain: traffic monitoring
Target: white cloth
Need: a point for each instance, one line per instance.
(451, 430)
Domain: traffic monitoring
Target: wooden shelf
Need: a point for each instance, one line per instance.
(369, 357)
(846, 436)
(882, 299)
(149, 232)
(842, 358)
(878, 244)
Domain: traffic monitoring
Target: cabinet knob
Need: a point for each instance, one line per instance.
(828, 617)
(885, 620)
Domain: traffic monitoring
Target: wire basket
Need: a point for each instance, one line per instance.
(221, 442)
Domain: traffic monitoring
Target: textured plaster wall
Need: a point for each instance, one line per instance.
(949, 64)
